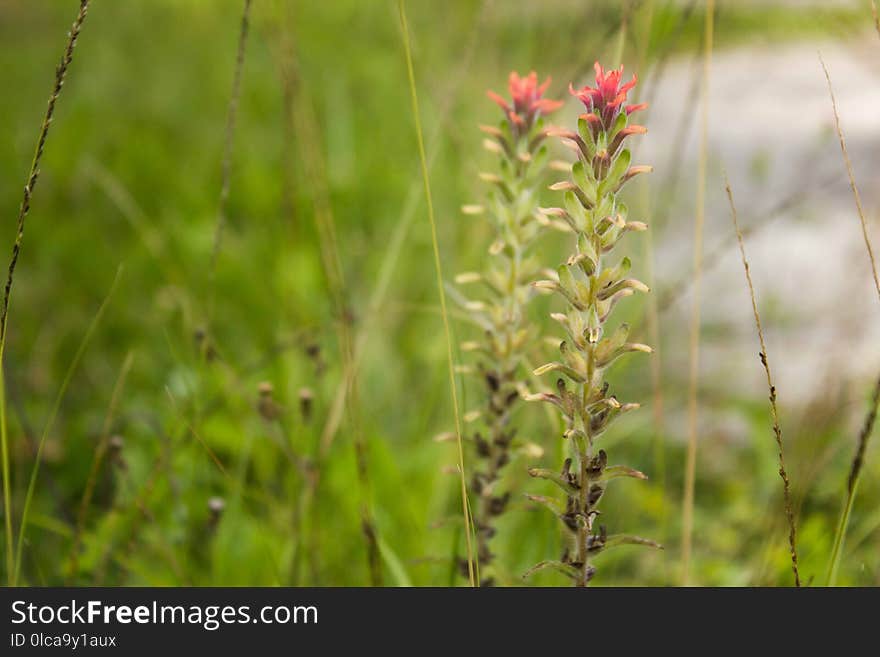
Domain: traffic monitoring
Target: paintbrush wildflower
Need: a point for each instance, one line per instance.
(503, 290)
(591, 286)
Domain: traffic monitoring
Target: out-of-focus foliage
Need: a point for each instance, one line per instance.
(131, 177)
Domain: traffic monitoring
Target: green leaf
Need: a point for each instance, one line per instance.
(616, 471)
(555, 477)
(566, 280)
(394, 564)
(566, 569)
(615, 173)
(550, 503)
(627, 539)
(576, 211)
(559, 367)
(583, 178)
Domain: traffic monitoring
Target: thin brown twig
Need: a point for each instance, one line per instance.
(852, 180)
(774, 412)
(868, 424)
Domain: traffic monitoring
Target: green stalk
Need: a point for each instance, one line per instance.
(855, 475)
(33, 176)
(7, 492)
(50, 423)
(441, 290)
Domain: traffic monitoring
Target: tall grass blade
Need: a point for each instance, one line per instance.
(401, 228)
(694, 342)
(7, 488)
(440, 287)
(97, 460)
(50, 422)
(852, 484)
(229, 142)
(33, 176)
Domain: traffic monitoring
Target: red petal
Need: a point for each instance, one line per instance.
(544, 86)
(635, 108)
(618, 99)
(498, 99)
(629, 85)
(546, 106)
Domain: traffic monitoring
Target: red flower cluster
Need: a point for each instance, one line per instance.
(527, 102)
(605, 101)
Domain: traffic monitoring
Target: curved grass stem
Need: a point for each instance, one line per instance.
(50, 422)
(440, 287)
(33, 176)
(687, 522)
(774, 412)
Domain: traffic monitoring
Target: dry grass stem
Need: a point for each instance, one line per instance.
(868, 425)
(440, 287)
(694, 341)
(774, 413)
(852, 180)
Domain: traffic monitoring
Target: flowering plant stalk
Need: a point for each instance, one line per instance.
(591, 288)
(512, 205)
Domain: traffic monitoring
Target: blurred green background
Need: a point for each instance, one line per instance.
(131, 179)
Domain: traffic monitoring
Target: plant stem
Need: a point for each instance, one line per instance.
(50, 422)
(774, 412)
(851, 485)
(855, 470)
(229, 142)
(694, 342)
(441, 290)
(33, 176)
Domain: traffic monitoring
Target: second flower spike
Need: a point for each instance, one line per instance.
(501, 291)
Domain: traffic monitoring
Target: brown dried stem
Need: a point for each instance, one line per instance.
(868, 424)
(774, 413)
(852, 180)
